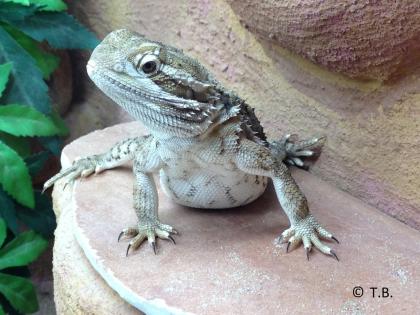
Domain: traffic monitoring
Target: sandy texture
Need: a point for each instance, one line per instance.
(364, 39)
(225, 262)
(78, 290)
(372, 128)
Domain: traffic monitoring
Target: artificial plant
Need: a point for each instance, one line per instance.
(30, 32)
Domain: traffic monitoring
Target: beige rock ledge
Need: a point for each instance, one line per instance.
(363, 39)
(225, 262)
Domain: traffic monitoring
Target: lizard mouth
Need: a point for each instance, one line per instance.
(157, 109)
(161, 99)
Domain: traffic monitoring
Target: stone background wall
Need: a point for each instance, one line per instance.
(347, 69)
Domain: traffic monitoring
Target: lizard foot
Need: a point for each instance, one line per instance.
(307, 231)
(80, 168)
(147, 231)
(296, 151)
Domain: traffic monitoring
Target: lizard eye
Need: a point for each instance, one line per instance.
(149, 64)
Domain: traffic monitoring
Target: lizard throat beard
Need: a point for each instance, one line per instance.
(169, 116)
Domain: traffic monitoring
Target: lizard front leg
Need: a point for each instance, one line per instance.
(255, 159)
(116, 156)
(146, 203)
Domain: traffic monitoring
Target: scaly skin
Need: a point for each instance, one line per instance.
(205, 141)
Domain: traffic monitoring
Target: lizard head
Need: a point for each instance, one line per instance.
(157, 84)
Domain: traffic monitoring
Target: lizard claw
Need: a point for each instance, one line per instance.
(294, 151)
(334, 254)
(154, 247)
(149, 231)
(172, 239)
(69, 182)
(119, 236)
(307, 231)
(80, 168)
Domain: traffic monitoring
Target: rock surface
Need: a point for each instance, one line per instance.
(372, 128)
(78, 289)
(224, 261)
(363, 39)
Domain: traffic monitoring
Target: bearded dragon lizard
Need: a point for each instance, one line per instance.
(206, 142)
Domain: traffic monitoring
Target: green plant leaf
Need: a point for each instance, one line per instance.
(42, 218)
(19, 144)
(26, 85)
(36, 162)
(60, 124)
(3, 231)
(4, 75)
(50, 5)
(2, 311)
(59, 29)
(14, 176)
(20, 120)
(22, 2)
(52, 144)
(20, 292)
(8, 211)
(22, 250)
(45, 5)
(15, 12)
(46, 62)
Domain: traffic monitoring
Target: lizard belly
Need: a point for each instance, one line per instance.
(210, 189)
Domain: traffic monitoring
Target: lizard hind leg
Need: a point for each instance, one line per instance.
(295, 152)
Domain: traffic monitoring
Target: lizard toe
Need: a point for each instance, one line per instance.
(136, 242)
(149, 231)
(287, 234)
(308, 231)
